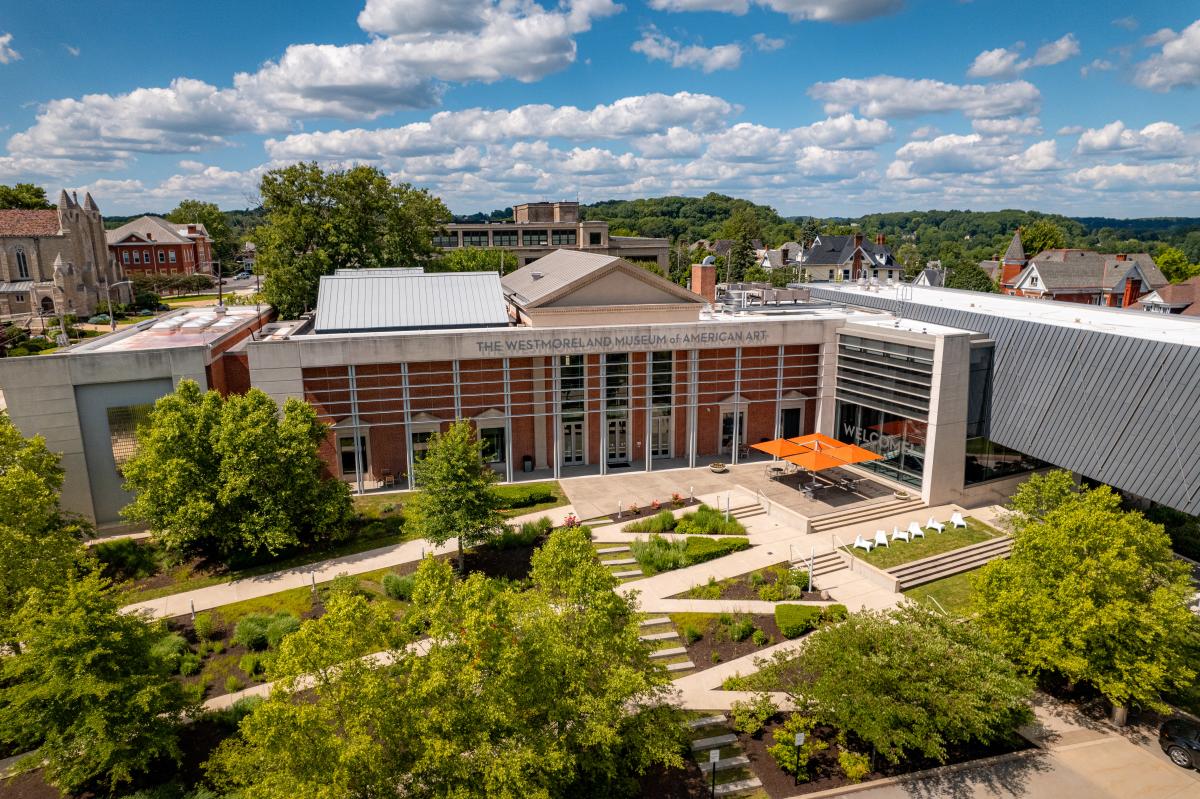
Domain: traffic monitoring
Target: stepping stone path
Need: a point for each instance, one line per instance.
(620, 562)
(734, 776)
(630, 573)
(656, 621)
(611, 550)
(669, 652)
(669, 634)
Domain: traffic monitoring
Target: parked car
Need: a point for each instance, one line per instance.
(1180, 739)
(243, 275)
(99, 319)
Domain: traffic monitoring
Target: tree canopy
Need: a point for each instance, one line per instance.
(23, 195)
(1042, 235)
(927, 682)
(456, 496)
(225, 476)
(539, 693)
(476, 259)
(38, 543)
(225, 246)
(86, 688)
(318, 221)
(970, 277)
(1090, 592)
(1175, 265)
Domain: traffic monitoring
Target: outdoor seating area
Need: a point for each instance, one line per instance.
(907, 534)
(818, 457)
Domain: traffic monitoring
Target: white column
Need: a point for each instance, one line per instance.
(457, 391)
(408, 453)
(556, 411)
(649, 411)
(737, 411)
(693, 401)
(358, 464)
(508, 442)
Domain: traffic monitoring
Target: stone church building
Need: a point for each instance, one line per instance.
(56, 261)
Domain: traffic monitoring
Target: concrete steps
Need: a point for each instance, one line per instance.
(619, 562)
(822, 564)
(669, 652)
(865, 513)
(737, 786)
(667, 636)
(686, 665)
(628, 573)
(656, 620)
(611, 550)
(947, 564)
(706, 721)
(715, 742)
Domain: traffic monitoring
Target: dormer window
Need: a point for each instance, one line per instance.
(1033, 281)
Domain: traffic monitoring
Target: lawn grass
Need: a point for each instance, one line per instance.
(953, 593)
(934, 543)
(373, 504)
(175, 300)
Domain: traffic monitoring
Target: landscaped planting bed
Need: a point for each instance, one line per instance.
(934, 543)
(712, 638)
(702, 521)
(658, 554)
(773, 583)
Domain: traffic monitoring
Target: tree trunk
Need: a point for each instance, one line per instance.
(1120, 715)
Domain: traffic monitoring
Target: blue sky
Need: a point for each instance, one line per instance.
(812, 106)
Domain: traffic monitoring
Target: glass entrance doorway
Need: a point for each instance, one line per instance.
(660, 436)
(618, 441)
(791, 421)
(727, 431)
(572, 439)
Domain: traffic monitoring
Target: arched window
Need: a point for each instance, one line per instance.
(47, 305)
(22, 264)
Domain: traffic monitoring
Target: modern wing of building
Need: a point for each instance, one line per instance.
(584, 363)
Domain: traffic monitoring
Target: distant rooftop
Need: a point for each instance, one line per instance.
(380, 271)
(189, 327)
(361, 303)
(1121, 322)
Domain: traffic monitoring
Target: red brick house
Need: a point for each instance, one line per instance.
(152, 245)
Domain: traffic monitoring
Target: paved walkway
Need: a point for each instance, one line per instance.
(702, 690)
(214, 596)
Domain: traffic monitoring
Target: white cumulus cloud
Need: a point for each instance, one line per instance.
(1156, 140)
(7, 53)
(889, 96)
(1177, 64)
(1004, 62)
(659, 47)
(816, 10)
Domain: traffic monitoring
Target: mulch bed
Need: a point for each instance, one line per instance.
(677, 783)
(824, 770)
(741, 589)
(715, 640)
(629, 516)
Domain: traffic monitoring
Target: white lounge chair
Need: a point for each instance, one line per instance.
(898, 533)
(881, 539)
(862, 543)
(958, 521)
(915, 531)
(934, 524)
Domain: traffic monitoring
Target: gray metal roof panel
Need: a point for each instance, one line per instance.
(360, 303)
(552, 272)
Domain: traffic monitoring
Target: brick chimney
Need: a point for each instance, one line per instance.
(704, 281)
(855, 272)
(1122, 257)
(880, 239)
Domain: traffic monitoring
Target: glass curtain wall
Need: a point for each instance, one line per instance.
(901, 441)
(572, 402)
(616, 401)
(662, 384)
(985, 459)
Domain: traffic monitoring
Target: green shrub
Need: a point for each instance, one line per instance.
(716, 657)
(700, 550)
(527, 535)
(657, 554)
(661, 522)
(749, 716)
(788, 584)
(347, 584)
(771, 592)
(756, 579)
(398, 586)
(251, 664)
(854, 765)
(710, 590)
(208, 626)
(232, 684)
(210, 647)
(795, 620)
(832, 614)
(522, 496)
(708, 521)
(783, 751)
(126, 559)
(760, 638)
(189, 664)
(283, 625)
(740, 629)
(169, 649)
(691, 635)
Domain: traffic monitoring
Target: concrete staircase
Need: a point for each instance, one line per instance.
(857, 514)
(947, 564)
(744, 512)
(824, 563)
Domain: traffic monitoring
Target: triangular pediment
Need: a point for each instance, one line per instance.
(620, 283)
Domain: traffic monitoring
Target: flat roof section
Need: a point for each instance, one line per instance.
(366, 303)
(1118, 321)
(189, 327)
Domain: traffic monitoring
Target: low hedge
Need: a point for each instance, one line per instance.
(523, 496)
(796, 620)
(661, 522)
(700, 550)
(706, 520)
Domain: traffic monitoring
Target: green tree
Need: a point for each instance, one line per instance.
(969, 277)
(38, 543)
(929, 682)
(1092, 593)
(23, 195)
(909, 256)
(741, 259)
(317, 221)
(1042, 235)
(456, 497)
(223, 476)
(539, 693)
(1174, 265)
(224, 246)
(1040, 494)
(476, 259)
(809, 230)
(86, 688)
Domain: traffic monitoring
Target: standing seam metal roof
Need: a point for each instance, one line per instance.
(363, 303)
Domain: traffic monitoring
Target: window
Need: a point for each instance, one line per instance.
(570, 382)
(616, 380)
(146, 256)
(137, 257)
(20, 298)
(595, 238)
(475, 238)
(493, 444)
(123, 422)
(506, 238)
(420, 444)
(533, 238)
(162, 257)
(446, 240)
(660, 378)
(346, 454)
(1033, 281)
(124, 256)
(171, 256)
(22, 264)
(563, 237)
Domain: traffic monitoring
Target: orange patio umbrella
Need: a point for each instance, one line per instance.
(816, 442)
(852, 453)
(815, 461)
(779, 448)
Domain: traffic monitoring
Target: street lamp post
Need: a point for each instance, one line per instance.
(112, 320)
